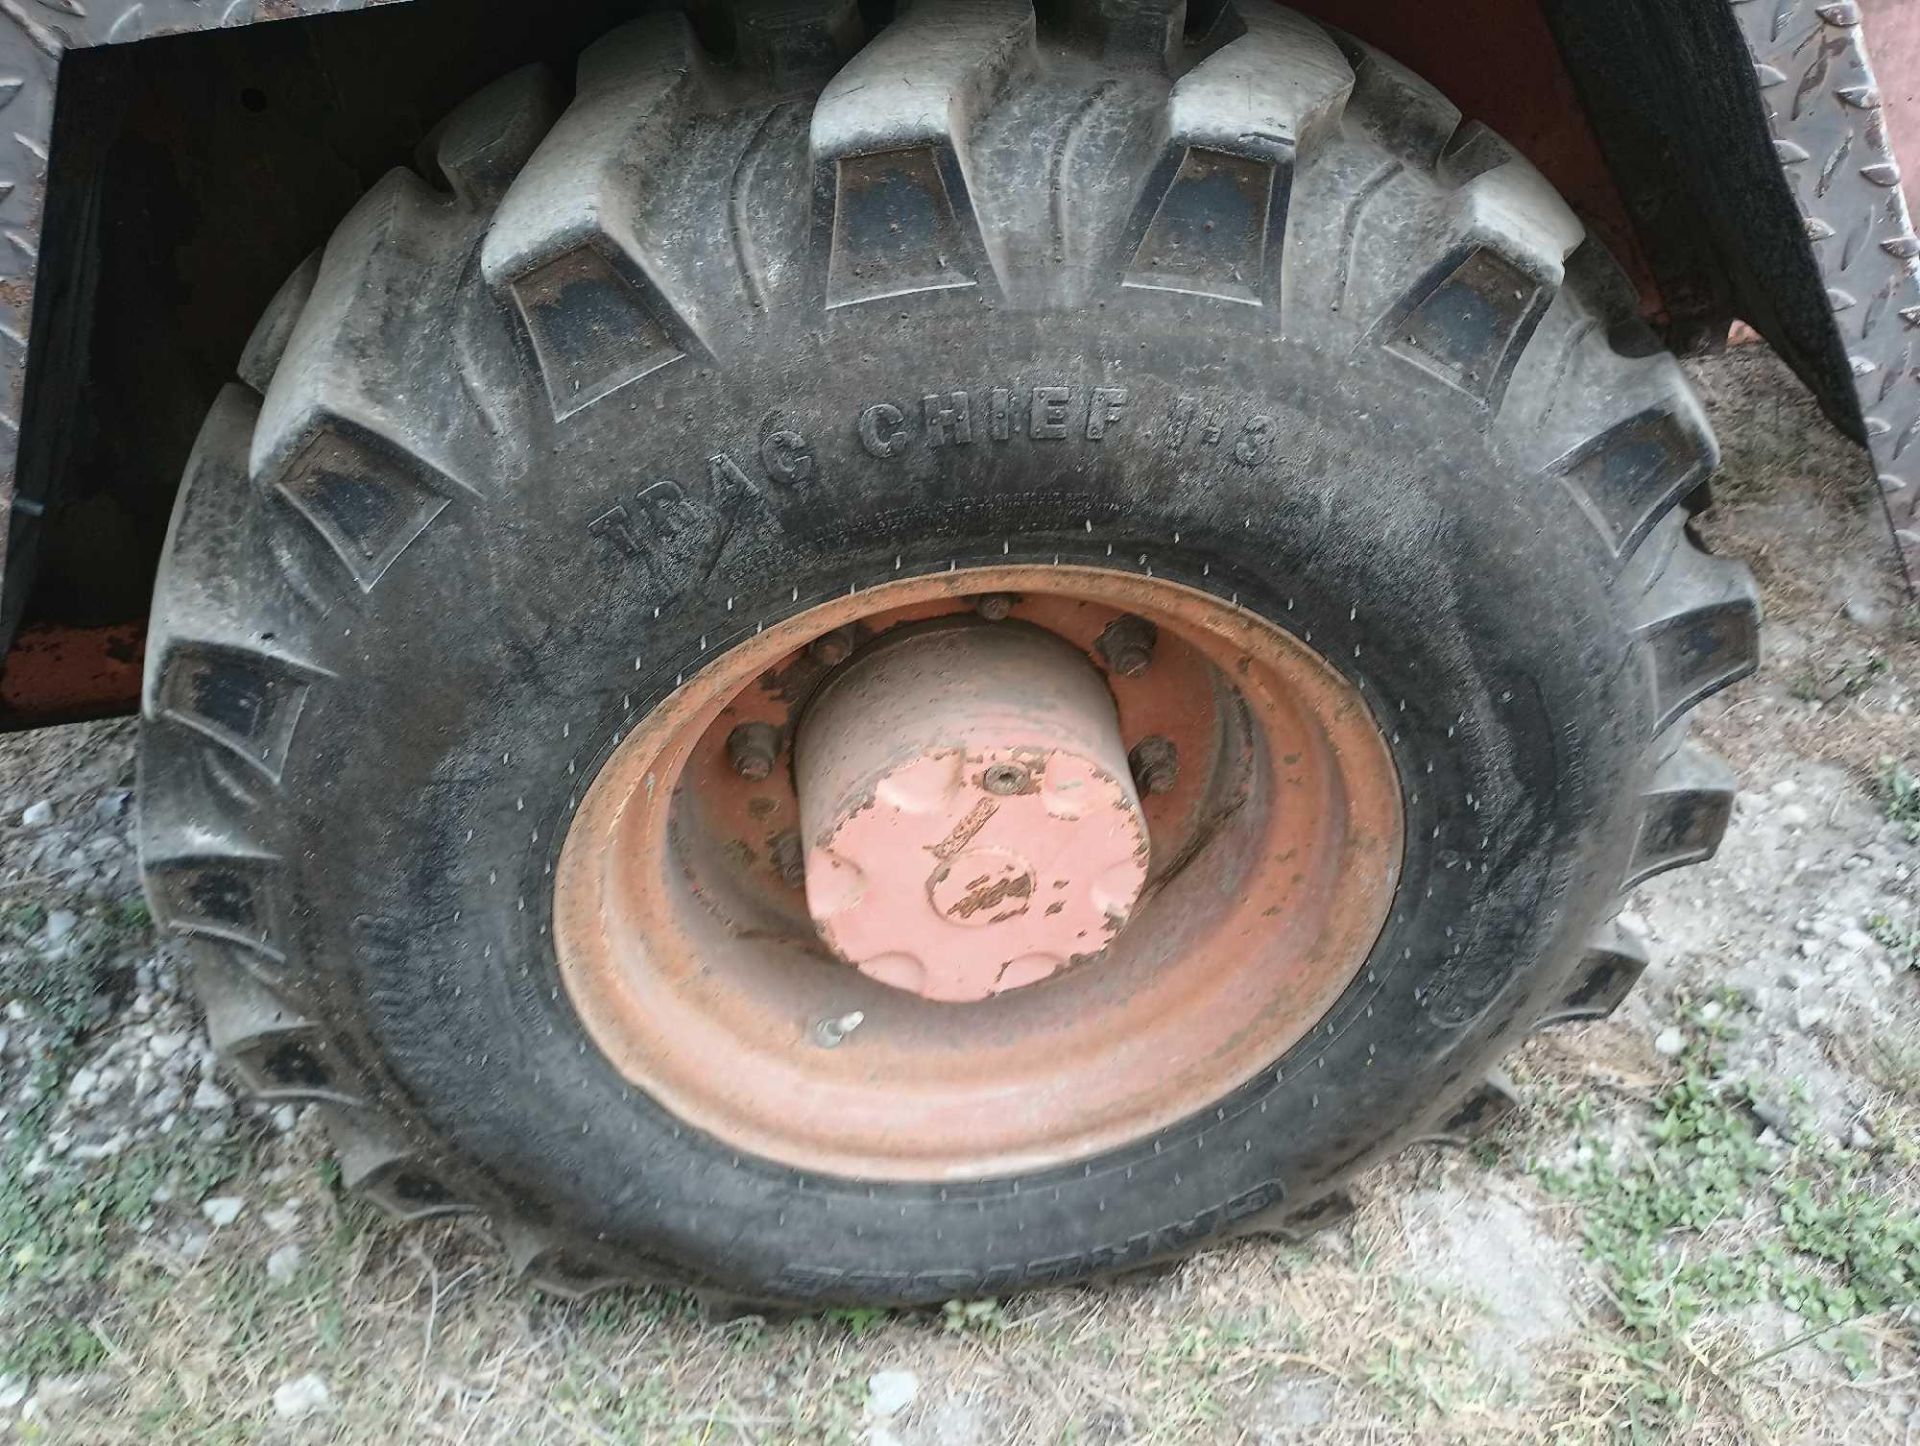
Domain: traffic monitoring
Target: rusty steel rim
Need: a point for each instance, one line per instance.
(685, 942)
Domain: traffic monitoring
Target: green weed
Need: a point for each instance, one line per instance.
(1900, 797)
(1707, 1218)
(986, 1317)
(1902, 941)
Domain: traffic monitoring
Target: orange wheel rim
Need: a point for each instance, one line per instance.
(685, 944)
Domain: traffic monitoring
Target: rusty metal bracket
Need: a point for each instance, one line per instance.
(70, 675)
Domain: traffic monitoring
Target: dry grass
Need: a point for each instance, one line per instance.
(421, 1339)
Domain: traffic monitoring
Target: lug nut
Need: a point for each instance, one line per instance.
(1126, 646)
(751, 749)
(993, 606)
(789, 859)
(1006, 779)
(1155, 764)
(834, 648)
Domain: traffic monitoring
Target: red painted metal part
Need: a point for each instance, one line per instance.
(1497, 61)
(970, 819)
(69, 675)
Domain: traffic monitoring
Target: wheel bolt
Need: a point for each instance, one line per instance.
(789, 859)
(1155, 764)
(1126, 646)
(993, 606)
(1006, 779)
(834, 648)
(751, 749)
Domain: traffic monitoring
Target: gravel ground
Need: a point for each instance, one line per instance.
(1700, 1225)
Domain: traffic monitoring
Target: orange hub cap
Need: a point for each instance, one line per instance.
(969, 818)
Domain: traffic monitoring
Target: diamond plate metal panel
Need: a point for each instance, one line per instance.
(1830, 133)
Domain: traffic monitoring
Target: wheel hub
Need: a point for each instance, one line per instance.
(970, 822)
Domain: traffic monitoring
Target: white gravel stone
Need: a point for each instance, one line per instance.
(104, 1150)
(37, 815)
(60, 923)
(891, 1392)
(223, 1210)
(1864, 611)
(165, 1046)
(1794, 816)
(1858, 940)
(284, 1264)
(209, 1096)
(1670, 1042)
(301, 1397)
(13, 1390)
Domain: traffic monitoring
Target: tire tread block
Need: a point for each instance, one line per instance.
(1605, 977)
(1467, 319)
(249, 700)
(207, 885)
(278, 1053)
(1687, 807)
(260, 358)
(374, 1163)
(890, 140)
(367, 441)
(567, 245)
(1700, 622)
(1484, 1107)
(484, 143)
(1627, 476)
(1212, 221)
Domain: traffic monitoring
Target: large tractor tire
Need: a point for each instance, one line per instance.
(884, 667)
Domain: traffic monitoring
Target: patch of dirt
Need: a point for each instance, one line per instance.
(1493, 1245)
